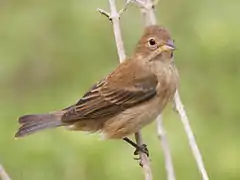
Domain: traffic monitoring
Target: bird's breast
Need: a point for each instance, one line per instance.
(167, 82)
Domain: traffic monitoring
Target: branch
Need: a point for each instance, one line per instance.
(147, 9)
(166, 150)
(192, 142)
(114, 18)
(3, 174)
(144, 159)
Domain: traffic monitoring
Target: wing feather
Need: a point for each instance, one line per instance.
(106, 100)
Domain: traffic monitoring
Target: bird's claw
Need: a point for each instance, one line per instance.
(142, 148)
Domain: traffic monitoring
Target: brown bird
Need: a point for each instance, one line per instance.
(129, 98)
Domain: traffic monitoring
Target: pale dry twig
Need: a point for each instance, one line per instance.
(192, 142)
(3, 174)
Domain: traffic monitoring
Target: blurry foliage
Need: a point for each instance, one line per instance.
(53, 51)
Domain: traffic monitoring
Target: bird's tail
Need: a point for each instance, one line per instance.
(36, 122)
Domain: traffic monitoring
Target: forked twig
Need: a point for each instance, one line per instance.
(126, 5)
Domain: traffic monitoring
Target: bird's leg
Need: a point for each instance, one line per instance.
(143, 148)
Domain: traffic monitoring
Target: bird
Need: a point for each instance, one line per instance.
(122, 103)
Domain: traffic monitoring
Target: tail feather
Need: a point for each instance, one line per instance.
(33, 123)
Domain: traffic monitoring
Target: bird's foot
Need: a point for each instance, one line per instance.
(139, 148)
(142, 148)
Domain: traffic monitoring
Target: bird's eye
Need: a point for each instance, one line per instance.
(151, 42)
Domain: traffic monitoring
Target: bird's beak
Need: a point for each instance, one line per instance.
(169, 46)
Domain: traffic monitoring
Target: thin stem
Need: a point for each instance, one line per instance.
(147, 9)
(192, 142)
(166, 150)
(105, 13)
(117, 32)
(3, 174)
(144, 159)
(127, 3)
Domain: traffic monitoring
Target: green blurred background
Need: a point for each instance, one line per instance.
(51, 52)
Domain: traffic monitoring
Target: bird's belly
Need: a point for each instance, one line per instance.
(132, 119)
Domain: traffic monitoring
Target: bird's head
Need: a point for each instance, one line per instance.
(155, 44)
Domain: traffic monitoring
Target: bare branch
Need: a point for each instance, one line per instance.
(148, 12)
(140, 3)
(108, 15)
(105, 13)
(166, 150)
(3, 174)
(117, 31)
(195, 150)
(114, 16)
(126, 5)
(144, 159)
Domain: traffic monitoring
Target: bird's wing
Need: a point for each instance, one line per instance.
(110, 96)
